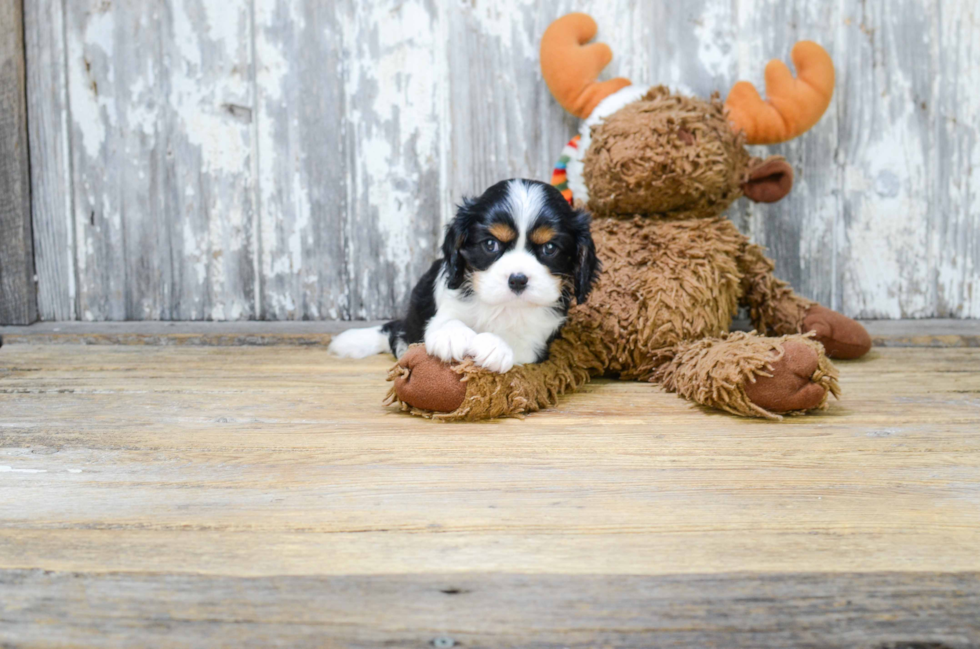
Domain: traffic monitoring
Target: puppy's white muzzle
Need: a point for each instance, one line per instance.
(517, 277)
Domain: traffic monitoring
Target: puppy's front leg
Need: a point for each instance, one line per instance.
(491, 352)
(448, 341)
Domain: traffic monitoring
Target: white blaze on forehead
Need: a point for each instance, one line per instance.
(525, 202)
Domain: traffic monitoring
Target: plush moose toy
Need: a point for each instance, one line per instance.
(657, 170)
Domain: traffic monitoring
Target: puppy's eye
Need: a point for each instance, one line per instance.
(549, 249)
(491, 245)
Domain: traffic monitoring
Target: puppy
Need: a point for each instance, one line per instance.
(512, 261)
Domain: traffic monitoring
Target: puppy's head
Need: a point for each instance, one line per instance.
(521, 243)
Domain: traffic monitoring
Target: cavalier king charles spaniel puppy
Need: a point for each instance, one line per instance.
(512, 261)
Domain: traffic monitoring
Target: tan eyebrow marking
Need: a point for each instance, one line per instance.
(503, 232)
(542, 235)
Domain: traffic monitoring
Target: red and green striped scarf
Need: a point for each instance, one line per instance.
(559, 178)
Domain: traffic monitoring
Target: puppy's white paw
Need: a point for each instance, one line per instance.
(449, 342)
(489, 351)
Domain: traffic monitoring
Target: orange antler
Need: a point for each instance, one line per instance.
(794, 105)
(571, 70)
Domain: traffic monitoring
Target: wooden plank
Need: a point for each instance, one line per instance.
(191, 496)
(310, 332)
(886, 84)
(689, 46)
(160, 101)
(302, 160)
(492, 610)
(798, 232)
(504, 122)
(884, 333)
(209, 134)
(51, 183)
(18, 300)
(955, 111)
(201, 460)
(396, 104)
(97, 223)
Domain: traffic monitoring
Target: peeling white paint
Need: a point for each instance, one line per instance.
(396, 117)
(199, 103)
(344, 232)
(712, 31)
(87, 104)
(212, 101)
(887, 239)
(10, 469)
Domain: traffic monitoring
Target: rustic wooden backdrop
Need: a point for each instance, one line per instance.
(297, 159)
(18, 303)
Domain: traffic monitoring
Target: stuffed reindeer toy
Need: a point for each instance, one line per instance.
(657, 170)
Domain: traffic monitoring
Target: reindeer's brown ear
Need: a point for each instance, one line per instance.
(768, 181)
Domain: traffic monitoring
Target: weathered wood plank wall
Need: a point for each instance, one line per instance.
(297, 159)
(18, 304)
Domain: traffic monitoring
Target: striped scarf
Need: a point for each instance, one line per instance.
(559, 178)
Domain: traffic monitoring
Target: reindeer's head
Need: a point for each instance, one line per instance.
(652, 152)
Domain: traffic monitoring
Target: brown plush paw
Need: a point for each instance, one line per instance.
(429, 383)
(791, 386)
(840, 336)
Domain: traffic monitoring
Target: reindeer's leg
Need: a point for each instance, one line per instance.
(752, 375)
(425, 386)
(776, 310)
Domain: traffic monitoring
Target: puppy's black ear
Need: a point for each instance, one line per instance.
(587, 265)
(453, 244)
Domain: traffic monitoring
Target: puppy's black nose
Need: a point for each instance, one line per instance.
(517, 282)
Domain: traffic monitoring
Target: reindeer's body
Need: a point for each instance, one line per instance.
(664, 283)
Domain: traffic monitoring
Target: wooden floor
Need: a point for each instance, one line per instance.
(257, 496)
